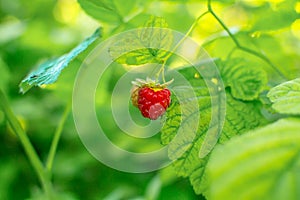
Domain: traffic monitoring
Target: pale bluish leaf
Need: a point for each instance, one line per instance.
(49, 71)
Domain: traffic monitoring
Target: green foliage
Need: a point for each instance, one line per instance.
(49, 71)
(262, 164)
(103, 10)
(286, 97)
(146, 45)
(267, 19)
(8, 172)
(256, 42)
(185, 147)
(245, 79)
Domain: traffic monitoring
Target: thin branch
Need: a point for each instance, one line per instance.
(224, 27)
(239, 46)
(264, 58)
(188, 32)
(56, 138)
(161, 70)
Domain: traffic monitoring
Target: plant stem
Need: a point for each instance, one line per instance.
(161, 70)
(56, 138)
(264, 58)
(222, 24)
(239, 46)
(188, 32)
(29, 150)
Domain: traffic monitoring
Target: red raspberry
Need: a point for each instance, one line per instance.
(153, 102)
(151, 97)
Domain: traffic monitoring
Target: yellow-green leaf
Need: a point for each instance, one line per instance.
(286, 97)
(185, 135)
(262, 164)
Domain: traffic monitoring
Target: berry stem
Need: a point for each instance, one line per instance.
(241, 47)
(161, 71)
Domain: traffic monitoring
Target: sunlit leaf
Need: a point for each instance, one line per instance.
(266, 43)
(268, 17)
(135, 48)
(49, 71)
(103, 10)
(245, 80)
(262, 164)
(112, 12)
(286, 97)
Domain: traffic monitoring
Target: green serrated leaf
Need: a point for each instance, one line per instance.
(49, 71)
(185, 140)
(146, 45)
(245, 80)
(286, 97)
(262, 164)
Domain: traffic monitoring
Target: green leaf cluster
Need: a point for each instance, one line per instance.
(146, 45)
(255, 46)
(247, 163)
(260, 163)
(240, 117)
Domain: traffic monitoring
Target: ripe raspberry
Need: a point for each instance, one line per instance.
(153, 103)
(150, 97)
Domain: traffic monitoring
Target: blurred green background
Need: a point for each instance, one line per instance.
(31, 32)
(36, 30)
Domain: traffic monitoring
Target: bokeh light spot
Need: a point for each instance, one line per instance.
(296, 28)
(66, 11)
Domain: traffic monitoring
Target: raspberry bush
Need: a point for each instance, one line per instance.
(252, 152)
